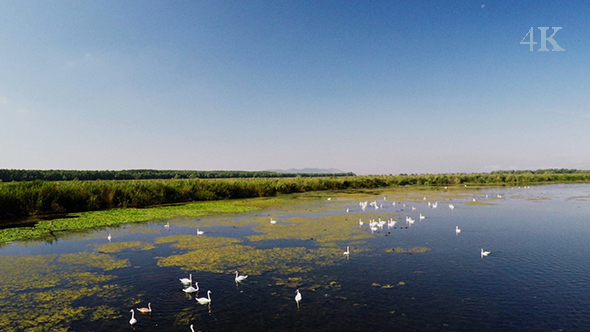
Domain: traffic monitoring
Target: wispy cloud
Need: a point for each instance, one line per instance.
(3, 100)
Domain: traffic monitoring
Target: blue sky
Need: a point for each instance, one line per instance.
(373, 87)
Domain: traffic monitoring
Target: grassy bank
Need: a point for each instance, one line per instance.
(119, 202)
(19, 199)
(46, 229)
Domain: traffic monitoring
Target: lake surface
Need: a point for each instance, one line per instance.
(419, 277)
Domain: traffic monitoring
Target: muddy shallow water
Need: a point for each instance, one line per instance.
(407, 277)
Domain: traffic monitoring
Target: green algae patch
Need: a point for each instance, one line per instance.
(104, 262)
(103, 312)
(538, 199)
(333, 228)
(414, 250)
(478, 203)
(252, 261)
(195, 242)
(293, 282)
(39, 293)
(578, 198)
(52, 310)
(26, 272)
(185, 318)
(120, 246)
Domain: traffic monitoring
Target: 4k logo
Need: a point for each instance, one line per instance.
(544, 39)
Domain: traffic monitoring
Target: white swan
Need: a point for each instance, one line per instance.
(192, 329)
(187, 281)
(484, 253)
(132, 321)
(297, 297)
(391, 223)
(457, 230)
(167, 226)
(422, 217)
(145, 310)
(192, 289)
(240, 278)
(205, 300)
(272, 221)
(200, 232)
(347, 252)
(109, 237)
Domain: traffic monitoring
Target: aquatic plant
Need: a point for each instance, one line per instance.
(414, 250)
(249, 260)
(45, 229)
(39, 293)
(120, 246)
(104, 262)
(193, 242)
(333, 228)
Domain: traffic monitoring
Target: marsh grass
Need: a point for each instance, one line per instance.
(53, 197)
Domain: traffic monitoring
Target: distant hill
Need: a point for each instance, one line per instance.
(308, 170)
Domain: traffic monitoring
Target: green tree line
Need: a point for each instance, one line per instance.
(543, 171)
(57, 197)
(9, 175)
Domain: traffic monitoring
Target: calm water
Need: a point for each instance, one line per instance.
(535, 278)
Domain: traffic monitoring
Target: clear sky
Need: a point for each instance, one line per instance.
(372, 87)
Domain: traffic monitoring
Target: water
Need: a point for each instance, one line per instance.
(535, 278)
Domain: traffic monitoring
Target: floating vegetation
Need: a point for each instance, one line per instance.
(478, 203)
(104, 262)
(539, 199)
(94, 219)
(578, 198)
(104, 312)
(293, 282)
(414, 250)
(194, 242)
(387, 286)
(184, 318)
(401, 283)
(252, 261)
(38, 293)
(331, 228)
(120, 246)
(376, 285)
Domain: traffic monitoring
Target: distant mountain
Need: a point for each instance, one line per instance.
(308, 170)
